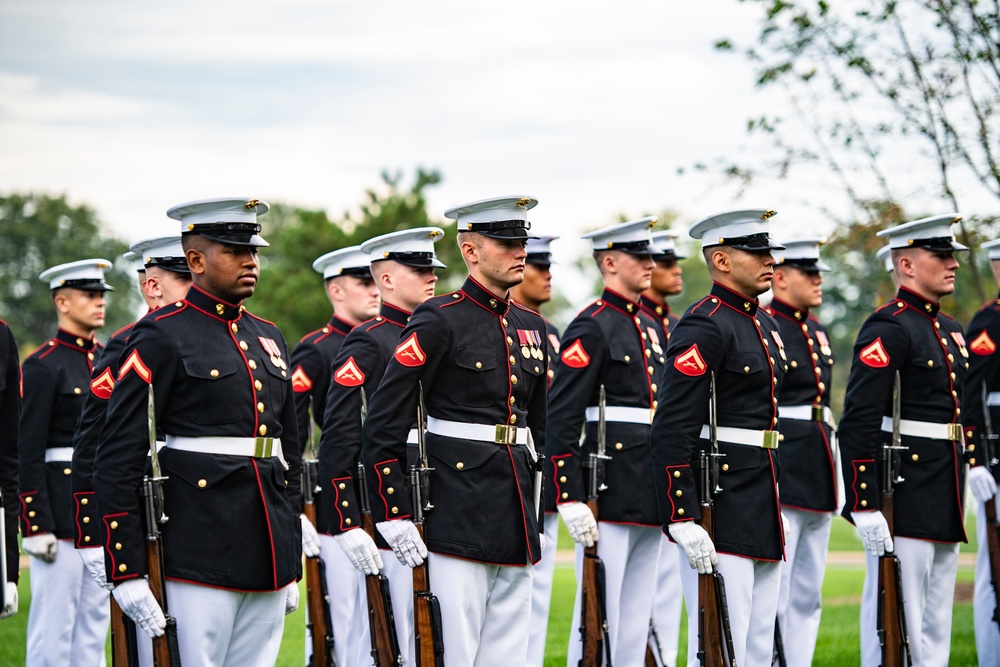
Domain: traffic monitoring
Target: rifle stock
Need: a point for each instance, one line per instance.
(593, 610)
(166, 652)
(891, 618)
(715, 638)
(381, 619)
(427, 630)
(320, 623)
(124, 642)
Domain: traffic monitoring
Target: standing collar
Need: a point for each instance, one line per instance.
(917, 302)
(652, 307)
(74, 341)
(485, 298)
(340, 326)
(735, 300)
(214, 306)
(789, 311)
(393, 314)
(616, 300)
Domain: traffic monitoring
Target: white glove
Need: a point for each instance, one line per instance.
(10, 600)
(579, 522)
(360, 550)
(291, 597)
(138, 603)
(405, 541)
(310, 538)
(785, 527)
(697, 545)
(982, 484)
(93, 560)
(541, 541)
(42, 546)
(874, 532)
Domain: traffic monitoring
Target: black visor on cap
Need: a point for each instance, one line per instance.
(417, 260)
(89, 284)
(232, 233)
(356, 271)
(666, 256)
(752, 242)
(502, 229)
(174, 264)
(803, 264)
(938, 244)
(634, 247)
(539, 258)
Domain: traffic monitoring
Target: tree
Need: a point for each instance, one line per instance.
(896, 97)
(41, 231)
(291, 294)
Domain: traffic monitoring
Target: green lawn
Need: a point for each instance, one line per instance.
(837, 644)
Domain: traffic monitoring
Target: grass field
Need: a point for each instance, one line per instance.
(838, 637)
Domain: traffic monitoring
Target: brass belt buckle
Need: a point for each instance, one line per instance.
(505, 435)
(770, 440)
(818, 413)
(262, 447)
(955, 432)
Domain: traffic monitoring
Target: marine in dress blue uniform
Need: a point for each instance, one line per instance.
(402, 264)
(486, 422)
(10, 417)
(808, 446)
(348, 283)
(223, 399)
(666, 281)
(164, 278)
(982, 337)
(69, 617)
(911, 335)
(612, 343)
(532, 292)
(728, 334)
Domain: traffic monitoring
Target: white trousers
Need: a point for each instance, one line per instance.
(630, 555)
(69, 615)
(984, 599)
(541, 593)
(485, 611)
(348, 607)
(223, 628)
(800, 599)
(928, 576)
(752, 598)
(667, 600)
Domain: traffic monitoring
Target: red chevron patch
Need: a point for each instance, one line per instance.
(134, 363)
(103, 384)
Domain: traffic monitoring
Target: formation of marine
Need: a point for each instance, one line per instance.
(412, 457)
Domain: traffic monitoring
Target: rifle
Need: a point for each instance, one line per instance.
(992, 527)
(593, 609)
(715, 636)
(654, 652)
(381, 620)
(166, 652)
(124, 641)
(320, 623)
(892, 634)
(427, 631)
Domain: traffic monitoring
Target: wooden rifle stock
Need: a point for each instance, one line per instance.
(428, 640)
(711, 647)
(166, 652)
(124, 642)
(381, 620)
(593, 624)
(428, 633)
(317, 597)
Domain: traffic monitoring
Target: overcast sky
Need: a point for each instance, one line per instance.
(131, 107)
